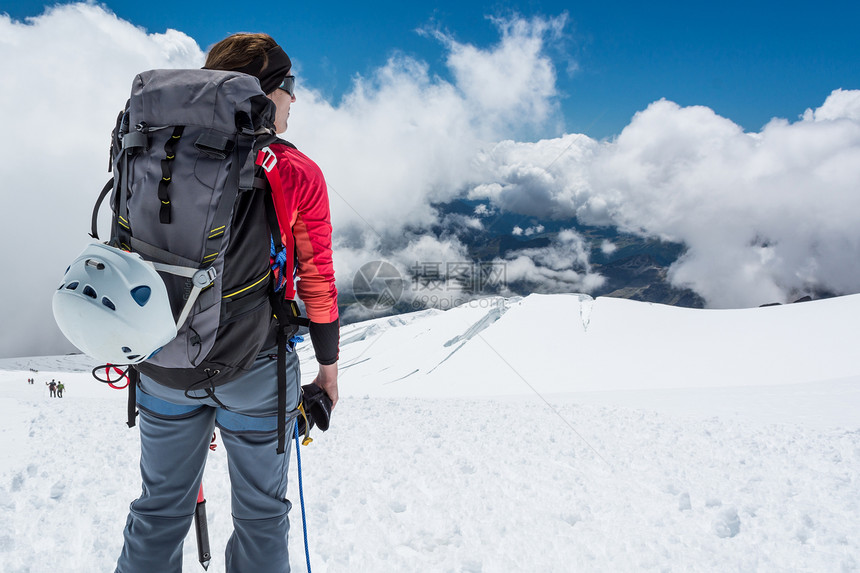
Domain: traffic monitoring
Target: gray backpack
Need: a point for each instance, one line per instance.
(187, 194)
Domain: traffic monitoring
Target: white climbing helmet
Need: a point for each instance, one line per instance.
(113, 306)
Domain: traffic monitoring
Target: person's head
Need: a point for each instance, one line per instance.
(260, 56)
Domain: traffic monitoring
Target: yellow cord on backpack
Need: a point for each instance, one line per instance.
(307, 439)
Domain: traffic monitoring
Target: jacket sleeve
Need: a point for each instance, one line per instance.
(311, 229)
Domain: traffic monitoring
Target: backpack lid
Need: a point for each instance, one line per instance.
(213, 99)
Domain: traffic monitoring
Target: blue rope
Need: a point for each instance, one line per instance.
(302, 497)
(293, 341)
(279, 265)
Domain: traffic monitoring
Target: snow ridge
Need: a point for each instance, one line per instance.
(483, 324)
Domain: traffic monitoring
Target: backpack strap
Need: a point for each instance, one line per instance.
(132, 142)
(94, 232)
(286, 311)
(133, 380)
(228, 200)
(282, 390)
(115, 148)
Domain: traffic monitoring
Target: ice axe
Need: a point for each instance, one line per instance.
(202, 530)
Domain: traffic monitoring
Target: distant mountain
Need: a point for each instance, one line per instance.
(631, 266)
(634, 267)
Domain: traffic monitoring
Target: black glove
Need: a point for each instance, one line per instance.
(317, 407)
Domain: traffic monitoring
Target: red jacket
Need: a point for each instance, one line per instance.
(301, 203)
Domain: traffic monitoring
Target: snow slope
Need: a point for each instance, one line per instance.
(551, 433)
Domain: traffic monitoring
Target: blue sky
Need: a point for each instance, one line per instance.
(748, 61)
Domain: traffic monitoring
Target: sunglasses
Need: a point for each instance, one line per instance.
(289, 85)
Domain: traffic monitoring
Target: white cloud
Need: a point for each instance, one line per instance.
(66, 74)
(563, 266)
(542, 179)
(766, 216)
(483, 210)
(608, 247)
(842, 104)
(515, 79)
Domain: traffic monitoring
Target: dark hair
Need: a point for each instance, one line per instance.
(239, 50)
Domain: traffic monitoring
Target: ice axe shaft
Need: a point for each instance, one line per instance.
(202, 530)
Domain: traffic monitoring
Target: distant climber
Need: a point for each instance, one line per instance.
(60, 388)
(52, 386)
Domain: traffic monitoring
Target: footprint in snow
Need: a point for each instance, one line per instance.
(57, 490)
(467, 468)
(727, 524)
(17, 482)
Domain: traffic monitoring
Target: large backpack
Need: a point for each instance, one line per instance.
(189, 193)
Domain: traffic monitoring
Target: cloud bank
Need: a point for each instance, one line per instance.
(66, 74)
(763, 215)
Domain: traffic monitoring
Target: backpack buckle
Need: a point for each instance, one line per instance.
(204, 277)
(269, 159)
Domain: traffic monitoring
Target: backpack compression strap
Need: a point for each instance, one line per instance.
(166, 176)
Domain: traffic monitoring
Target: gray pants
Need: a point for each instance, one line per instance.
(175, 432)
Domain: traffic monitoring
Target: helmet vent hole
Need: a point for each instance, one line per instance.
(133, 357)
(108, 303)
(141, 294)
(72, 285)
(126, 349)
(90, 292)
(61, 287)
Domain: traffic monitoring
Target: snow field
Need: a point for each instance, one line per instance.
(468, 485)
(480, 485)
(540, 434)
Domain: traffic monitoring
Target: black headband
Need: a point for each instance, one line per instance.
(270, 68)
